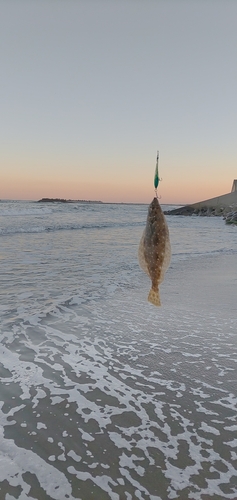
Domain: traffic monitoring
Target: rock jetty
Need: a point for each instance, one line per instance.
(231, 218)
(218, 206)
(202, 211)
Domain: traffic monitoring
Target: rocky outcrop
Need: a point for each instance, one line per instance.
(231, 218)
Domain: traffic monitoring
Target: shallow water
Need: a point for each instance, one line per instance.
(104, 396)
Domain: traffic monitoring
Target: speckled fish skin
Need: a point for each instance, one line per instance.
(154, 250)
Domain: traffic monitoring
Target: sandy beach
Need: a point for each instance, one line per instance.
(207, 285)
(103, 395)
(148, 401)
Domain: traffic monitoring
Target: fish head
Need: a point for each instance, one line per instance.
(154, 210)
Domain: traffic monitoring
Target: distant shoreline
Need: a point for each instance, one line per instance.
(63, 200)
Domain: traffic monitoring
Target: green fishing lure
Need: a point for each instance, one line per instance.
(156, 178)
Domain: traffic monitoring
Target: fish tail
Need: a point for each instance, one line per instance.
(154, 297)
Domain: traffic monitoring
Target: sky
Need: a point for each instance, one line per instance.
(91, 89)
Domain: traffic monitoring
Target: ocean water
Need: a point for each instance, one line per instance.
(104, 396)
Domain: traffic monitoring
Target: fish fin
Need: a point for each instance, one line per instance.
(141, 255)
(154, 297)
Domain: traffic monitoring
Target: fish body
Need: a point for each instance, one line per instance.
(154, 252)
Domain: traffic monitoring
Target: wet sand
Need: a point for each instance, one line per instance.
(125, 400)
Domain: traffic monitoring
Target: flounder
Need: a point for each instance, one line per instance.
(154, 252)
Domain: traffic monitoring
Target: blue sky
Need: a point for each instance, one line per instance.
(92, 88)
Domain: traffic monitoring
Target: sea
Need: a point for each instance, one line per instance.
(102, 395)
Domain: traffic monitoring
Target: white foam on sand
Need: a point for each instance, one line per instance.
(15, 462)
(118, 397)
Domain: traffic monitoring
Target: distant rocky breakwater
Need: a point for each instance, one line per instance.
(229, 214)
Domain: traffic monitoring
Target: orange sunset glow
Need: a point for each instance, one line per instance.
(85, 109)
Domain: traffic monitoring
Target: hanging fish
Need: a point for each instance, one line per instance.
(154, 252)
